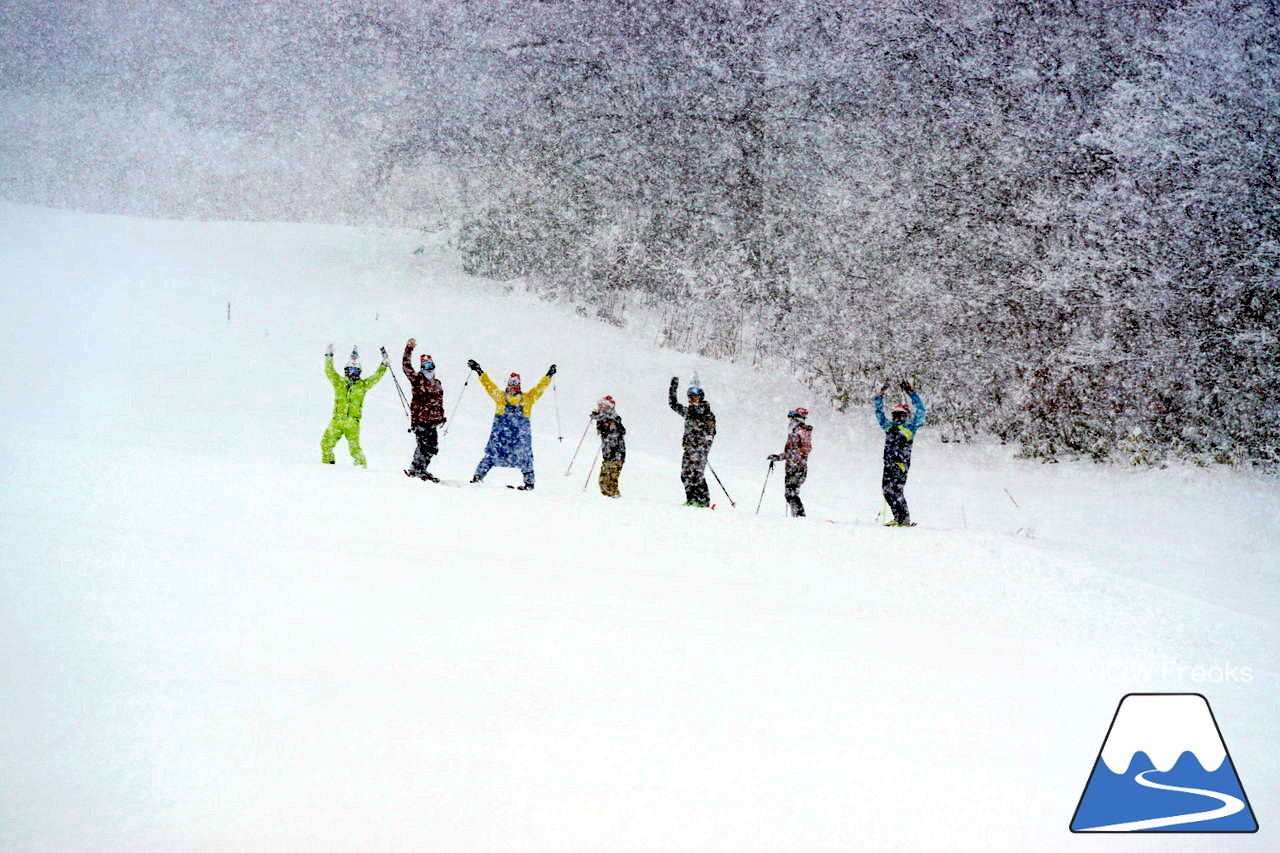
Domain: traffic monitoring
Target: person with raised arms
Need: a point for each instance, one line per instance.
(511, 436)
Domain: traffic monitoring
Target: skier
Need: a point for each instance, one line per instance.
(900, 433)
(348, 403)
(796, 456)
(426, 411)
(511, 438)
(613, 445)
(699, 432)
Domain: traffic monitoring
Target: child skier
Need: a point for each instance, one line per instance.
(426, 411)
(699, 432)
(900, 432)
(348, 404)
(613, 445)
(511, 437)
(796, 456)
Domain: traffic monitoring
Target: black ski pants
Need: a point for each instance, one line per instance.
(428, 446)
(692, 467)
(892, 484)
(792, 481)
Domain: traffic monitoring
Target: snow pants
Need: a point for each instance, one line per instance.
(892, 483)
(792, 481)
(692, 466)
(510, 445)
(428, 447)
(342, 427)
(610, 470)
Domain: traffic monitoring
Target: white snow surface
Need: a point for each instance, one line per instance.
(212, 642)
(1163, 727)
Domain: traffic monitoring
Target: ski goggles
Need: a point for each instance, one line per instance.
(428, 365)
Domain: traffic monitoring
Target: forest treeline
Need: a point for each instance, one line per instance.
(1062, 218)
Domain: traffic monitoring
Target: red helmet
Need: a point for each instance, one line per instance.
(800, 412)
(901, 407)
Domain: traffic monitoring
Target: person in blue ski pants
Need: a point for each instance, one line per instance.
(511, 437)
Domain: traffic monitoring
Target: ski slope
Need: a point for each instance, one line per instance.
(212, 642)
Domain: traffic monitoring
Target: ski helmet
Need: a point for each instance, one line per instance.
(353, 366)
(513, 379)
(801, 413)
(606, 404)
(901, 407)
(426, 362)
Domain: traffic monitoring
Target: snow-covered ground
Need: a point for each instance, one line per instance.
(213, 642)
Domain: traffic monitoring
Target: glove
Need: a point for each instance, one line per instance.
(386, 359)
(884, 389)
(906, 386)
(411, 343)
(471, 363)
(775, 457)
(675, 383)
(551, 371)
(328, 351)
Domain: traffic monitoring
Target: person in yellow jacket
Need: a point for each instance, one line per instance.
(511, 438)
(348, 404)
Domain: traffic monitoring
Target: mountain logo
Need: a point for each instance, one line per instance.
(1163, 767)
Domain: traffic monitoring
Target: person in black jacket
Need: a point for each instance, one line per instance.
(613, 445)
(900, 430)
(699, 432)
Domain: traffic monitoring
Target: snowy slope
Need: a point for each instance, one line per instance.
(215, 643)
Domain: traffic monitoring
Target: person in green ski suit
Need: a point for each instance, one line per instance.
(348, 404)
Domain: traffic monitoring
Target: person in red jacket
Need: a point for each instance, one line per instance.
(796, 456)
(426, 411)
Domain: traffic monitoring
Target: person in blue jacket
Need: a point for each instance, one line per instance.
(899, 435)
(511, 438)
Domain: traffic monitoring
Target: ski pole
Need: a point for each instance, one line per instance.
(575, 453)
(556, 398)
(762, 488)
(722, 488)
(591, 470)
(456, 405)
(404, 403)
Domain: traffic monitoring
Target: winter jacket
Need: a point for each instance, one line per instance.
(613, 444)
(348, 396)
(502, 399)
(898, 438)
(427, 406)
(699, 422)
(799, 444)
